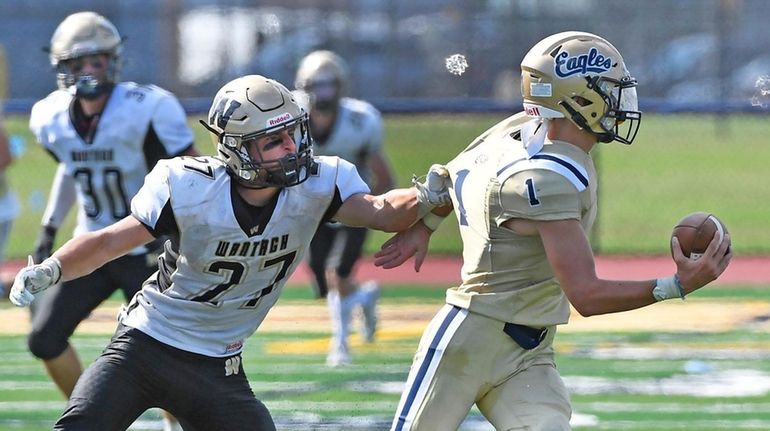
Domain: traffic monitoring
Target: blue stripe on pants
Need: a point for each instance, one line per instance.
(424, 367)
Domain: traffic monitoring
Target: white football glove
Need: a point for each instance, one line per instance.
(434, 191)
(34, 279)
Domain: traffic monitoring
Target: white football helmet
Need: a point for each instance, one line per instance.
(250, 107)
(323, 76)
(581, 77)
(81, 34)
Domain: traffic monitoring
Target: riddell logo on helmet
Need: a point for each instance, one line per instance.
(593, 62)
(532, 111)
(279, 119)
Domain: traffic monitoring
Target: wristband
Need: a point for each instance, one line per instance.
(432, 221)
(668, 288)
(53, 265)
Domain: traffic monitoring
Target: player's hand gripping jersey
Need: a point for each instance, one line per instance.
(218, 280)
(139, 125)
(498, 178)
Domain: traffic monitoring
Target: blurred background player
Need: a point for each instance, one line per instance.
(524, 195)
(350, 129)
(106, 136)
(9, 206)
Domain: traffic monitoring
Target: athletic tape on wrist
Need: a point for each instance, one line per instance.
(432, 221)
(668, 288)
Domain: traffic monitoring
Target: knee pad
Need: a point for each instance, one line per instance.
(44, 345)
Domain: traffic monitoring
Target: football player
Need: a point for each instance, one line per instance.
(106, 136)
(239, 223)
(524, 195)
(351, 129)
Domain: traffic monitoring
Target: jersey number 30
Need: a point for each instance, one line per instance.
(113, 189)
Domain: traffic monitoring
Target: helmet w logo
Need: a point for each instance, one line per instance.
(223, 111)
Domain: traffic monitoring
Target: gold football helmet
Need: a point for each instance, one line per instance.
(82, 34)
(248, 108)
(323, 76)
(581, 77)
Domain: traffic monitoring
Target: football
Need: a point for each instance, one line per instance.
(695, 232)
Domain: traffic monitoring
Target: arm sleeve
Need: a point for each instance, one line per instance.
(170, 124)
(152, 203)
(333, 207)
(61, 198)
(348, 181)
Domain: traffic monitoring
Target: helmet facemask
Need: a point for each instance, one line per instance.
(622, 118)
(324, 93)
(87, 86)
(289, 170)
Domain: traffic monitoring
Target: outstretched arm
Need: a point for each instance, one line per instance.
(392, 211)
(573, 264)
(397, 209)
(85, 253)
(78, 257)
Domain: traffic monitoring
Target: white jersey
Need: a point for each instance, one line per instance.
(357, 132)
(229, 261)
(139, 125)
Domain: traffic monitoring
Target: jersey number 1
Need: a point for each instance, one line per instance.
(533, 200)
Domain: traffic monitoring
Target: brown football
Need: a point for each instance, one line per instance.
(695, 232)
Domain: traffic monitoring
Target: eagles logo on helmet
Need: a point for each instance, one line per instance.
(248, 108)
(84, 34)
(581, 77)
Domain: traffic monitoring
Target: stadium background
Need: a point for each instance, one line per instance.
(701, 57)
(702, 146)
(687, 54)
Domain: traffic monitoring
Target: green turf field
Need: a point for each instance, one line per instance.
(675, 378)
(677, 165)
(681, 378)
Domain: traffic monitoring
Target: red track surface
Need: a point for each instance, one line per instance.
(441, 270)
(446, 270)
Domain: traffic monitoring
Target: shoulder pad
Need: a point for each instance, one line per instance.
(143, 93)
(575, 173)
(538, 194)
